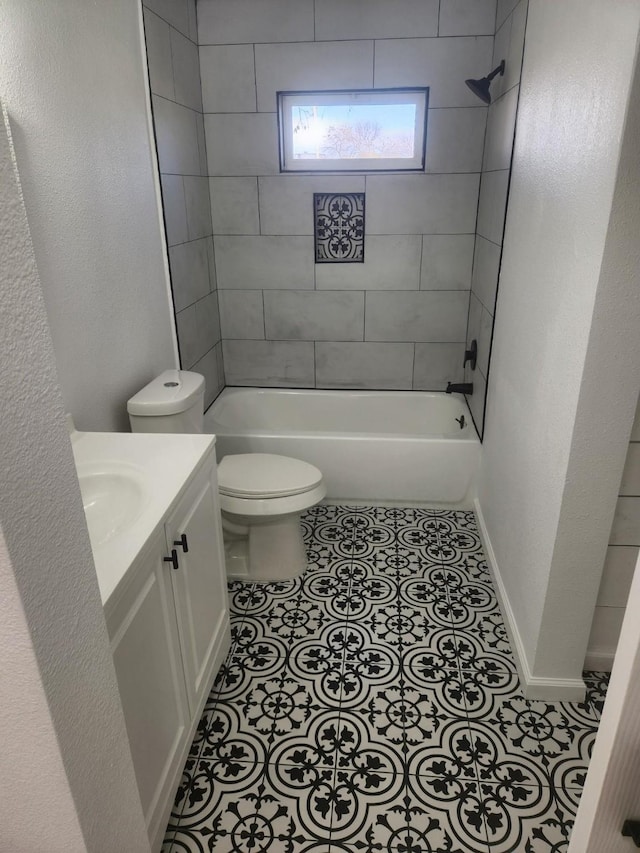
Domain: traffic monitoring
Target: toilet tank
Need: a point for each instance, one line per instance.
(172, 402)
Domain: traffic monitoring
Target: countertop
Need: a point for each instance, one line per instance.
(161, 464)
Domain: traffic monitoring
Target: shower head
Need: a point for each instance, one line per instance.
(481, 87)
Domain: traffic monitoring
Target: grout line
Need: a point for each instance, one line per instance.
(439, 11)
(255, 78)
(259, 234)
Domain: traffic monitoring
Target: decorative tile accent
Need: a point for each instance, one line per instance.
(374, 705)
(339, 228)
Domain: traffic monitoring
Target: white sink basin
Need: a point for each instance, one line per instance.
(112, 500)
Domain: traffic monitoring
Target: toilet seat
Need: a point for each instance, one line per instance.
(259, 476)
(265, 484)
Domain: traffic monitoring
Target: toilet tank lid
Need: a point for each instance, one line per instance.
(172, 392)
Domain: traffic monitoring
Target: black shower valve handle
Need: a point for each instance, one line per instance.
(471, 355)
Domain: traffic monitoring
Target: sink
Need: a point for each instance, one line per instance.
(113, 500)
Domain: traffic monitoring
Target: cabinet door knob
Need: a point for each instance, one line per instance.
(182, 542)
(173, 559)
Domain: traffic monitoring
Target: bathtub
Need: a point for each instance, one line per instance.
(371, 446)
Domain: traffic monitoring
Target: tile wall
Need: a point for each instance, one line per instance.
(399, 320)
(174, 76)
(509, 45)
(622, 553)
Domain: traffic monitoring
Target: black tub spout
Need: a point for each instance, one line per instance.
(459, 388)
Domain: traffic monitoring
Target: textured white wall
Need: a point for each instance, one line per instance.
(560, 402)
(71, 76)
(66, 777)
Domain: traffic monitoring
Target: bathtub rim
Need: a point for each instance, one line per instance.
(231, 390)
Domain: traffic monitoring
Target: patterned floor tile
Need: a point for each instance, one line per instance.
(257, 818)
(373, 705)
(542, 735)
(520, 818)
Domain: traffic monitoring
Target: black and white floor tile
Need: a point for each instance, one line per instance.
(374, 705)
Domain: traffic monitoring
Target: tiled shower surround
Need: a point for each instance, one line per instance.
(398, 320)
(373, 705)
(432, 242)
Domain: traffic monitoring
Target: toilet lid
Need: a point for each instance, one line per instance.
(265, 475)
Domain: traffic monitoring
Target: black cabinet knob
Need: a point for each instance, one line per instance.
(631, 829)
(182, 542)
(173, 559)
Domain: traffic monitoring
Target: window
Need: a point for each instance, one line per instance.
(355, 131)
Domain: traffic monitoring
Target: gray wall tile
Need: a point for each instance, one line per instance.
(286, 201)
(443, 64)
(187, 328)
(462, 18)
(256, 263)
(277, 363)
(371, 19)
(228, 78)
(505, 7)
(246, 21)
(241, 314)
(202, 146)
(193, 21)
(158, 40)
(486, 265)
(390, 263)
(364, 365)
(176, 138)
(437, 316)
(189, 272)
(476, 400)
(447, 261)
(175, 209)
(208, 366)
(437, 364)
(454, 140)
(492, 205)
(208, 323)
(174, 12)
(213, 282)
(421, 204)
(186, 71)
(242, 144)
(196, 193)
(234, 205)
(313, 316)
(500, 127)
(309, 66)
(626, 522)
(630, 484)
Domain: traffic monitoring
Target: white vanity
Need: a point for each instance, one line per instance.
(151, 503)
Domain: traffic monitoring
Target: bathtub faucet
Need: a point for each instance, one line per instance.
(459, 388)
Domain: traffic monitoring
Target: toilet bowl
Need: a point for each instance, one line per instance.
(261, 494)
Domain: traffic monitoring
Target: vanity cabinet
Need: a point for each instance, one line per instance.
(169, 633)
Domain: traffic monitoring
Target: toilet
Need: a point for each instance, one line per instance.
(261, 494)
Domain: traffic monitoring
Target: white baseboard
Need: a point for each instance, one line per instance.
(534, 687)
(600, 660)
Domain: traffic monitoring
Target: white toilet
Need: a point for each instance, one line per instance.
(261, 494)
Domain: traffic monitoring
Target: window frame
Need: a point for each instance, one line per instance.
(288, 164)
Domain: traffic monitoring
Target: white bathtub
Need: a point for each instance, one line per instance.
(372, 446)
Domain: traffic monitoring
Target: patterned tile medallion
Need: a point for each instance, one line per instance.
(373, 705)
(339, 227)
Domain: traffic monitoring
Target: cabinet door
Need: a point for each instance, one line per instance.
(199, 584)
(146, 653)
